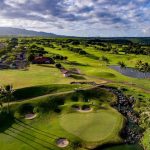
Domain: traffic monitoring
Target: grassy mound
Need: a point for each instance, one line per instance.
(35, 91)
(105, 74)
(102, 126)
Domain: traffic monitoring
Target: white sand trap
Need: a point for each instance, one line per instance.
(30, 116)
(62, 142)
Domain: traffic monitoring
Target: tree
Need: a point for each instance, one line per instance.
(122, 64)
(146, 67)
(1, 101)
(138, 65)
(105, 59)
(142, 66)
(115, 51)
(7, 95)
(31, 57)
(58, 66)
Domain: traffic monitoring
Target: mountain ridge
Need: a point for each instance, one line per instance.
(10, 31)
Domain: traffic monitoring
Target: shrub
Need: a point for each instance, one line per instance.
(25, 108)
(58, 66)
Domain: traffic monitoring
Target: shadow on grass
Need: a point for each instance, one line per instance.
(6, 120)
(93, 56)
(30, 128)
(33, 129)
(76, 63)
(30, 137)
(33, 91)
(45, 65)
(8, 134)
(77, 77)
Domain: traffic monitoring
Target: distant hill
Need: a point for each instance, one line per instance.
(8, 31)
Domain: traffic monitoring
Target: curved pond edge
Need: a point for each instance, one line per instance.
(130, 72)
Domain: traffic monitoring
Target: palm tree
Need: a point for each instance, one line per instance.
(7, 95)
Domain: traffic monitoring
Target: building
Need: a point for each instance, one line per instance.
(43, 60)
(65, 72)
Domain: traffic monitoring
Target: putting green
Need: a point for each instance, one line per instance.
(104, 125)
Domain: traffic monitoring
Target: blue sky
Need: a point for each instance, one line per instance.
(105, 18)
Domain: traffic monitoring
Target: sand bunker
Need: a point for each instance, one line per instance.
(30, 116)
(62, 142)
(86, 110)
(75, 107)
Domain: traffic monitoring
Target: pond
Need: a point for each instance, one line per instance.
(131, 72)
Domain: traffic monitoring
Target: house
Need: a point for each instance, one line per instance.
(65, 72)
(43, 60)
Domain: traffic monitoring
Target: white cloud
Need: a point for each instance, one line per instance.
(78, 16)
(14, 3)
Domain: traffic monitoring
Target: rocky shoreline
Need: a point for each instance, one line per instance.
(132, 133)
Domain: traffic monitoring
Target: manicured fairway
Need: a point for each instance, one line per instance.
(93, 127)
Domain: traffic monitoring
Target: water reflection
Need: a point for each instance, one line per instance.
(131, 72)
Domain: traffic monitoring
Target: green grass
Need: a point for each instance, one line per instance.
(96, 69)
(103, 126)
(93, 69)
(33, 85)
(36, 75)
(145, 140)
(35, 91)
(29, 135)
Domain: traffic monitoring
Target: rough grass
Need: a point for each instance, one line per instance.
(145, 140)
(36, 75)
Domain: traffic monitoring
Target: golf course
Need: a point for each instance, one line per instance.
(74, 100)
